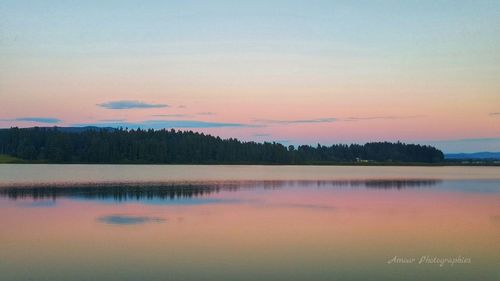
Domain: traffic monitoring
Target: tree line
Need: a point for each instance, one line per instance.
(97, 145)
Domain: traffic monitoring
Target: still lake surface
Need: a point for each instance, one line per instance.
(153, 222)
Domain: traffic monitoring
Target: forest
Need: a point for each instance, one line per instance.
(124, 146)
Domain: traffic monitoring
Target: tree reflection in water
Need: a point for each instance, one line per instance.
(141, 191)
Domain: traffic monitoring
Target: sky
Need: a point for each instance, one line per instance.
(295, 72)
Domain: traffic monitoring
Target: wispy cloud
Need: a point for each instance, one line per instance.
(48, 120)
(161, 124)
(180, 115)
(171, 115)
(112, 120)
(495, 114)
(381, 118)
(130, 104)
(206, 113)
(298, 121)
(334, 119)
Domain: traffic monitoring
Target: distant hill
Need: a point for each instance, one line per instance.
(70, 129)
(476, 155)
(78, 129)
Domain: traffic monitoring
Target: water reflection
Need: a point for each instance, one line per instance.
(38, 204)
(128, 219)
(243, 231)
(299, 206)
(163, 191)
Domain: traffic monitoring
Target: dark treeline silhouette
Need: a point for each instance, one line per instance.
(55, 145)
(164, 191)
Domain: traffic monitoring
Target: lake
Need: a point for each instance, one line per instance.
(181, 222)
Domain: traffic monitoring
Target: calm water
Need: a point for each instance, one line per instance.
(95, 222)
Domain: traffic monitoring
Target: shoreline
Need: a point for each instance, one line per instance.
(374, 164)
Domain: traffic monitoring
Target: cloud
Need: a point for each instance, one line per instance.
(495, 114)
(162, 124)
(179, 115)
(262, 135)
(334, 119)
(381, 118)
(48, 120)
(130, 104)
(112, 120)
(170, 115)
(299, 121)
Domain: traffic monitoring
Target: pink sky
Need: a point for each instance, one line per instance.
(303, 73)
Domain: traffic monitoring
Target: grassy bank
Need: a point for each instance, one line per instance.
(5, 159)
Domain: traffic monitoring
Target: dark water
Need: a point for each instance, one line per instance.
(361, 227)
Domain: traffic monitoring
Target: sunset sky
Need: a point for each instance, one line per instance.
(296, 72)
